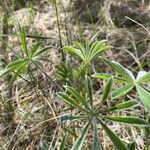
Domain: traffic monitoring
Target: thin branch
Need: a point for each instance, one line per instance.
(139, 25)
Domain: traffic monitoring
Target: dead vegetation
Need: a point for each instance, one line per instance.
(30, 113)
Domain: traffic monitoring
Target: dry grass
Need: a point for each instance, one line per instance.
(35, 119)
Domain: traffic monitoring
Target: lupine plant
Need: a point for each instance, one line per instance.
(83, 101)
(74, 73)
(23, 61)
(127, 78)
(78, 91)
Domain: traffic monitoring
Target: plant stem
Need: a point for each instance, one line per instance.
(60, 88)
(58, 26)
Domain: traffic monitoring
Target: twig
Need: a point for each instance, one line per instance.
(139, 25)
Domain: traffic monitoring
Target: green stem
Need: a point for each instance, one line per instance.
(58, 26)
(46, 74)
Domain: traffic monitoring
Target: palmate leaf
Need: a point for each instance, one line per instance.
(122, 91)
(140, 75)
(16, 63)
(23, 40)
(125, 105)
(18, 72)
(69, 100)
(16, 75)
(13, 66)
(34, 49)
(88, 52)
(75, 93)
(144, 96)
(40, 51)
(93, 45)
(61, 74)
(63, 70)
(81, 47)
(5, 72)
(79, 142)
(107, 89)
(65, 73)
(129, 120)
(106, 76)
(79, 98)
(94, 37)
(143, 77)
(74, 51)
(39, 58)
(120, 70)
(96, 48)
(119, 145)
(96, 141)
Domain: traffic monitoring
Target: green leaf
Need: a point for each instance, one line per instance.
(74, 51)
(80, 46)
(93, 46)
(77, 95)
(128, 120)
(62, 68)
(89, 89)
(144, 77)
(93, 37)
(16, 63)
(96, 141)
(61, 74)
(102, 76)
(132, 146)
(122, 91)
(125, 105)
(65, 72)
(96, 48)
(13, 66)
(39, 58)
(79, 142)
(62, 145)
(18, 72)
(121, 70)
(34, 49)
(119, 145)
(5, 72)
(69, 100)
(107, 89)
(106, 76)
(40, 51)
(141, 74)
(23, 40)
(144, 96)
